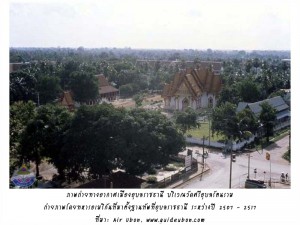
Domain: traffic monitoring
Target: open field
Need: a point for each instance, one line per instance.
(130, 103)
(204, 131)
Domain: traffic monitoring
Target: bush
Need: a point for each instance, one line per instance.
(151, 179)
(170, 167)
(152, 171)
(179, 164)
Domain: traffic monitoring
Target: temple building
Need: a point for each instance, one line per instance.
(106, 91)
(67, 101)
(195, 88)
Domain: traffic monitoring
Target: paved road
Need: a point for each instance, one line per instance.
(218, 176)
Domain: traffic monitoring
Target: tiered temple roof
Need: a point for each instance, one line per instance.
(196, 81)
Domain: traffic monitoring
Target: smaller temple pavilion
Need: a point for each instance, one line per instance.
(106, 91)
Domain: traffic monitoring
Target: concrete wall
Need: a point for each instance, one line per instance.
(176, 103)
(215, 144)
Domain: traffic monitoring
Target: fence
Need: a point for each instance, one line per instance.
(236, 145)
(215, 144)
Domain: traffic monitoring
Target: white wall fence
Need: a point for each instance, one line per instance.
(235, 146)
(215, 144)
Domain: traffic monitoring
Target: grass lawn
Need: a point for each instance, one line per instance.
(204, 131)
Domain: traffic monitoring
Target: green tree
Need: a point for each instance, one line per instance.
(91, 143)
(48, 88)
(267, 118)
(128, 90)
(84, 86)
(150, 139)
(102, 138)
(247, 121)
(249, 91)
(229, 94)
(20, 114)
(57, 122)
(225, 121)
(187, 119)
(22, 86)
(43, 135)
(138, 98)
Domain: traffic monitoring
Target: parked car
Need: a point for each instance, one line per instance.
(255, 184)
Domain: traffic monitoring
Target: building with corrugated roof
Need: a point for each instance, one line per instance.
(195, 88)
(282, 109)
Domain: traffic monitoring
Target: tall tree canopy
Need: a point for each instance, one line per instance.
(84, 86)
(20, 114)
(22, 86)
(102, 138)
(267, 118)
(187, 119)
(43, 135)
(225, 121)
(48, 88)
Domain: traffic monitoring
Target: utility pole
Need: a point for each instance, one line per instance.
(203, 162)
(230, 175)
(203, 150)
(248, 166)
(38, 96)
(270, 182)
(209, 130)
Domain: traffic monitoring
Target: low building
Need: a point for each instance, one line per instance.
(195, 88)
(13, 67)
(282, 110)
(106, 91)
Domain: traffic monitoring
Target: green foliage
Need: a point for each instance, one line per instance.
(48, 88)
(170, 167)
(150, 139)
(225, 121)
(248, 122)
(92, 143)
(152, 171)
(43, 136)
(287, 155)
(128, 90)
(249, 91)
(84, 86)
(138, 98)
(20, 114)
(229, 93)
(187, 119)
(277, 93)
(102, 138)
(267, 118)
(22, 87)
(151, 179)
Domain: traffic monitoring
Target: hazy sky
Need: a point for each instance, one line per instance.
(176, 24)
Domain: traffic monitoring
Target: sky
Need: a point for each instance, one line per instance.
(159, 24)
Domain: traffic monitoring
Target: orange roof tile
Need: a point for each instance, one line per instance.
(196, 80)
